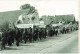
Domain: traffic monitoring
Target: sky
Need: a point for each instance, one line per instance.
(44, 7)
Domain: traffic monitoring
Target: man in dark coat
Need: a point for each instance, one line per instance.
(25, 35)
(40, 33)
(56, 32)
(35, 34)
(13, 35)
(10, 37)
(3, 39)
(18, 37)
(30, 34)
(21, 35)
(51, 32)
(45, 33)
(64, 30)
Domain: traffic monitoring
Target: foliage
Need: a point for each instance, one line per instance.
(41, 19)
(28, 6)
(25, 6)
(33, 18)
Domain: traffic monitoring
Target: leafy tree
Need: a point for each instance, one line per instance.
(32, 9)
(28, 6)
(25, 6)
(41, 19)
(33, 18)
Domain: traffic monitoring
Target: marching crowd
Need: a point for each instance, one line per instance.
(18, 35)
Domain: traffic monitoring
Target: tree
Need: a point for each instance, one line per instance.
(32, 9)
(28, 6)
(25, 6)
(33, 18)
(41, 19)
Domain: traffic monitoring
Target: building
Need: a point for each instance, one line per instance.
(57, 18)
(66, 18)
(10, 17)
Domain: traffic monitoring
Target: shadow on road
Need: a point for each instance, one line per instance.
(26, 45)
(8, 48)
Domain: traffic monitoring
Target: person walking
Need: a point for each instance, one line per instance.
(3, 39)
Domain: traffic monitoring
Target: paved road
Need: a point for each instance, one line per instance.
(63, 43)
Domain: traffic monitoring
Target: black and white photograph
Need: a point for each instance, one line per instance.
(39, 26)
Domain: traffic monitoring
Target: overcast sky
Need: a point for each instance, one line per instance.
(46, 7)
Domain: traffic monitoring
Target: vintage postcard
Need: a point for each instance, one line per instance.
(39, 26)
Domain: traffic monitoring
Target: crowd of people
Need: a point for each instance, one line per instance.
(18, 35)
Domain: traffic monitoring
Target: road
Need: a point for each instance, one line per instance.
(63, 43)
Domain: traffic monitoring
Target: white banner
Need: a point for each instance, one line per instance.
(59, 24)
(42, 26)
(25, 25)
